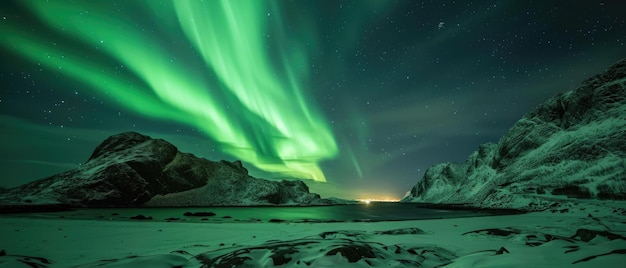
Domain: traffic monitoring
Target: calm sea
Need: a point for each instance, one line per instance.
(357, 212)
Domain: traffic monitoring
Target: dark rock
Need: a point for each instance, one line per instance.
(408, 263)
(233, 262)
(617, 251)
(541, 191)
(538, 240)
(496, 231)
(172, 219)
(353, 252)
(199, 214)
(29, 261)
(502, 250)
(140, 217)
(276, 220)
(286, 252)
(607, 191)
(280, 256)
(273, 198)
(342, 234)
(410, 230)
(573, 191)
(587, 235)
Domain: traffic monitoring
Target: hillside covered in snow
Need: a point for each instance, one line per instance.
(131, 169)
(571, 146)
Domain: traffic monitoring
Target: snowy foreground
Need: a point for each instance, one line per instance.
(572, 234)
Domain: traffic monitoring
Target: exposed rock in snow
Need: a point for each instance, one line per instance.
(242, 190)
(571, 146)
(130, 169)
(536, 239)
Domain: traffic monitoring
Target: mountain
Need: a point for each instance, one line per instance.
(571, 146)
(131, 169)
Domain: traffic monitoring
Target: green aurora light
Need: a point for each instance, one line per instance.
(256, 109)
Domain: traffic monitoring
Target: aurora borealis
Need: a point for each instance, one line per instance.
(291, 143)
(364, 95)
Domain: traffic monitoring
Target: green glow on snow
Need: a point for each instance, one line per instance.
(257, 111)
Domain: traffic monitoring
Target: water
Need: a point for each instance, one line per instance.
(356, 212)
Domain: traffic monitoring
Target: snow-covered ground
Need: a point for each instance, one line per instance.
(584, 234)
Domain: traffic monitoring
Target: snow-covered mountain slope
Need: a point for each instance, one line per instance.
(130, 169)
(571, 146)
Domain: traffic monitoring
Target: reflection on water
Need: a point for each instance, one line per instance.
(357, 212)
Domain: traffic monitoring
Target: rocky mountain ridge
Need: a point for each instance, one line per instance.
(571, 146)
(131, 169)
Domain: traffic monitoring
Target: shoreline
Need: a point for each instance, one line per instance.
(373, 212)
(590, 235)
(29, 208)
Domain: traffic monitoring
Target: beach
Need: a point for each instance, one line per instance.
(583, 234)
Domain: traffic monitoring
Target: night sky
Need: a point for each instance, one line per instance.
(364, 95)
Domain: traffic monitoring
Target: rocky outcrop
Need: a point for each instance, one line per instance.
(571, 146)
(131, 169)
(242, 191)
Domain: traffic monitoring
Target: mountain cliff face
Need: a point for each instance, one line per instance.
(131, 169)
(571, 146)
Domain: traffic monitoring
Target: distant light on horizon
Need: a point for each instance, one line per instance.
(369, 200)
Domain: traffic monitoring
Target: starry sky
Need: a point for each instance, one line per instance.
(357, 97)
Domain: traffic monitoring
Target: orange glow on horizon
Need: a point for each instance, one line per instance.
(369, 200)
